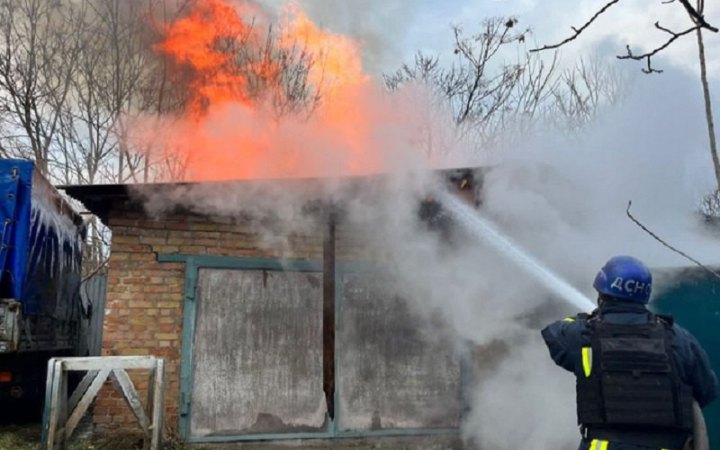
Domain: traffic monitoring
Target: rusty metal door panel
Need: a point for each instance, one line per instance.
(257, 366)
(395, 370)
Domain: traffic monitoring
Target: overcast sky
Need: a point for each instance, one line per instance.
(393, 30)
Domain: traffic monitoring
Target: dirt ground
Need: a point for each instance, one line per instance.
(20, 437)
(27, 437)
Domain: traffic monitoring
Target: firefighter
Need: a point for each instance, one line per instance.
(637, 373)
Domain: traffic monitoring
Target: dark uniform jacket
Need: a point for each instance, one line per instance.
(566, 338)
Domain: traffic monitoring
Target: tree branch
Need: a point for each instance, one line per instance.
(648, 55)
(578, 30)
(657, 238)
(662, 28)
(697, 16)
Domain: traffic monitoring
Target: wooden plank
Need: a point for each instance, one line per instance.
(109, 362)
(53, 424)
(58, 428)
(81, 388)
(158, 405)
(150, 393)
(123, 382)
(46, 405)
(84, 403)
(147, 443)
(63, 396)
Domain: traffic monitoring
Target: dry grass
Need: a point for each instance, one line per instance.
(27, 437)
(19, 438)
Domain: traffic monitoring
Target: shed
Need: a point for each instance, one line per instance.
(300, 336)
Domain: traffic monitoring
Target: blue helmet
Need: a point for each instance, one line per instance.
(626, 278)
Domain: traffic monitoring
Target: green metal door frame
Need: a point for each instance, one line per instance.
(193, 264)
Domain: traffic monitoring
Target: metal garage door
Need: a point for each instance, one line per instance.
(257, 366)
(395, 370)
(252, 363)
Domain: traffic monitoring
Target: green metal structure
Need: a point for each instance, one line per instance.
(193, 263)
(693, 299)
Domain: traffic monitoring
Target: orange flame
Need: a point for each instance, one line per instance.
(194, 42)
(340, 63)
(230, 131)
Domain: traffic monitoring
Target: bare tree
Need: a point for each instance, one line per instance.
(582, 91)
(106, 88)
(698, 24)
(696, 15)
(266, 69)
(263, 70)
(706, 97)
(41, 43)
(495, 103)
(474, 89)
(157, 95)
(76, 75)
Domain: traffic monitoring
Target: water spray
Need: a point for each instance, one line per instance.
(483, 229)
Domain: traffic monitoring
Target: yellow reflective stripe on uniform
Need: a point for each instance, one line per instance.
(587, 360)
(598, 444)
(569, 319)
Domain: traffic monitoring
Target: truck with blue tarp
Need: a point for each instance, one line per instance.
(41, 313)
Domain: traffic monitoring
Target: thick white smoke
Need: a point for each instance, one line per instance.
(380, 27)
(564, 200)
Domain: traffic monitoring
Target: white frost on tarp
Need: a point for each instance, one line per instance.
(45, 211)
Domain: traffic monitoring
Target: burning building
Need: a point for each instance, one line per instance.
(274, 324)
(273, 304)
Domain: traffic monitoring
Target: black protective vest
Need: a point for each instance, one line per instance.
(630, 379)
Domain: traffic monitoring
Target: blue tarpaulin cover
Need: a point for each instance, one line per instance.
(40, 252)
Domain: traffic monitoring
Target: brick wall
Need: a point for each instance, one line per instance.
(143, 313)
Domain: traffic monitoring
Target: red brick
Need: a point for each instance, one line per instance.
(153, 240)
(140, 304)
(193, 249)
(145, 297)
(124, 238)
(142, 257)
(166, 336)
(202, 226)
(101, 419)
